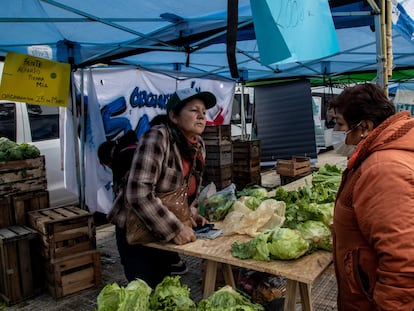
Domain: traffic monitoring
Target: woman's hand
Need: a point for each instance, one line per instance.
(186, 235)
(196, 218)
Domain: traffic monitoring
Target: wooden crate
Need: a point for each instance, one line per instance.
(219, 155)
(223, 172)
(220, 176)
(6, 212)
(64, 230)
(72, 274)
(22, 203)
(22, 176)
(246, 149)
(18, 280)
(251, 177)
(217, 134)
(296, 166)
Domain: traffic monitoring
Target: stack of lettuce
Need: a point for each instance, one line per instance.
(308, 217)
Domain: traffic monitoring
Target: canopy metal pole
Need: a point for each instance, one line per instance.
(243, 114)
(75, 122)
(380, 51)
(82, 138)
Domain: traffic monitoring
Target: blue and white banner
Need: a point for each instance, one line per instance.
(403, 18)
(404, 97)
(128, 99)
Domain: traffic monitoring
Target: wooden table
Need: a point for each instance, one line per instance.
(298, 273)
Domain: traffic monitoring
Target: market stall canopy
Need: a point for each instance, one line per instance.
(183, 38)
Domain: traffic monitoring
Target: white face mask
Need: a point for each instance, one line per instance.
(338, 143)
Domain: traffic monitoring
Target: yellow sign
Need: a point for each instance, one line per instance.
(35, 80)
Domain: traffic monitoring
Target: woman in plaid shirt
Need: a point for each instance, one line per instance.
(166, 155)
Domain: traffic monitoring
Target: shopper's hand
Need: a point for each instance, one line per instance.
(186, 235)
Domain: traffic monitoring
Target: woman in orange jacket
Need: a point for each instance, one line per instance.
(373, 227)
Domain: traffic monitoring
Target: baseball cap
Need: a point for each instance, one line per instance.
(181, 97)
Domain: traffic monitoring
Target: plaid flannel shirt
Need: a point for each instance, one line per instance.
(157, 168)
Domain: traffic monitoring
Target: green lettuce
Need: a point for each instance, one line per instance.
(171, 295)
(317, 234)
(110, 297)
(226, 298)
(287, 244)
(137, 294)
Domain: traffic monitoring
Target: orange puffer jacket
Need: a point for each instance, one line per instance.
(373, 226)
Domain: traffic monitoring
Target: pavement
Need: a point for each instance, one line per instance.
(323, 290)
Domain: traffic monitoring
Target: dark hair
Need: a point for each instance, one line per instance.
(363, 102)
(108, 149)
(105, 152)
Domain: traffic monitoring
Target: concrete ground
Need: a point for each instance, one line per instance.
(323, 291)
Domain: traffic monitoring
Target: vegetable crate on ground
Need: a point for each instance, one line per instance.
(71, 274)
(64, 230)
(71, 262)
(246, 163)
(22, 176)
(296, 166)
(20, 278)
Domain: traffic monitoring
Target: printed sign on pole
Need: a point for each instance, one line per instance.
(35, 80)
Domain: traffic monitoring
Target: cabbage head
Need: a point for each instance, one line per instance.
(317, 234)
(110, 297)
(287, 244)
(171, 295)
(226, 298)
(137, 294)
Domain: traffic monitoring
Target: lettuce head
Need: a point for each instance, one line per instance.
(287, 244)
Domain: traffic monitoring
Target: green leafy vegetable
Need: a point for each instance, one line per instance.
(218, 205)
(287, 244)
(110, 297)
(317, 234)
(11, 151)
(226, 298)
(256, 248)
(171, 295)
(137, 295)
(256, 191)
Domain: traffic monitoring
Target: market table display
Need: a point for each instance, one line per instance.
(300, 273)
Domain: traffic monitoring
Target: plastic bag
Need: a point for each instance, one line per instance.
(218, 205)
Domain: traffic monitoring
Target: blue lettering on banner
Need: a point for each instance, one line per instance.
(148, 99)
(113, 126)
(143, 126)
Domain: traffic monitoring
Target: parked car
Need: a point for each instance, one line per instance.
(39, 126)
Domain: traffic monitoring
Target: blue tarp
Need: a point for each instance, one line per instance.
(181, 38)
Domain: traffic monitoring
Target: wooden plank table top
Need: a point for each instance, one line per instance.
(301, 272)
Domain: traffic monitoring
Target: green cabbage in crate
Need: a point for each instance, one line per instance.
(11, 151)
